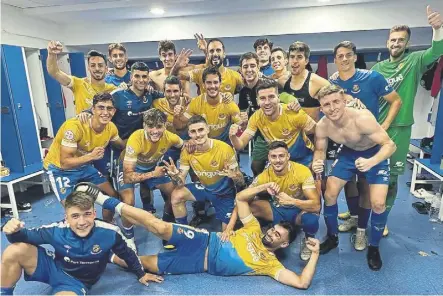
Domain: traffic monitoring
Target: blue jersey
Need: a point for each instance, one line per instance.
(367, 86)
(267, 70)
(83, 258)
(112, 78)
(129, 117)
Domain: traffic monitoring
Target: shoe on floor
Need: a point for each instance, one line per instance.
(359, 239)
(386, 231)
(344, 216)
(22, 207)
(329, 244)
(349, 224)
(374, 259)
(305, 253)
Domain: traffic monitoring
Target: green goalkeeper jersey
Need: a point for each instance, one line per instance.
(404, 77)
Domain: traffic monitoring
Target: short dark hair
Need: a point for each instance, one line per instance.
(166, 45)
(285, 54)
(95, 53)
(102, 97)
(171, 79)
(329, 90)
(261, 42)
(215, 40)
(277, 144)
(118, 46)
(211, 71)
(266, 83)
(140, 66)
(302, 47)
(248, 56)
(345, 44)
(292, 233)
(401, 28)
(154, 117)
(79, 199)
(196, 119)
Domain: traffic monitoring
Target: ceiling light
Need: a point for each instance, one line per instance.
(157, 11)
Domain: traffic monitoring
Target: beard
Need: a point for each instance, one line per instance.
(398, 53)
(119, 67)
(98, 76)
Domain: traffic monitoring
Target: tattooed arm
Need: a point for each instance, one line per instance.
(130, 176)
(177, 176)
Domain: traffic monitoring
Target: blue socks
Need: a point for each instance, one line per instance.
(353, 205)
(7, 291)
(309, 222)
(182, 220)
(112, 204)
(378, 223)
(331, 219)
(363, 217)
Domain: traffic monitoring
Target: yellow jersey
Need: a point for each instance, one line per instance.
(289, 127)
(82, 136)
(297, 179)
(243, 254)
(163, 105)
(230, 79)
(84, 92)
(146, 153)
(209, 165)
(219, 117)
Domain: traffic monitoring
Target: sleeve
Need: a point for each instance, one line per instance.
(430, 55)
(302, 120)
(110, 88)
(75, 84)
(250, 223)
(231, 157)
(307, 178)
(177, 142)
(33, 236)
(235, 112)
(156, 104)
(259, 180)
(382, 86)
(252, 127)
(132, 148)
(122, 250)
(72, 135)
(238, 79)
(157, 95)
(114, 132)
(273, 268)
(195, 76)
(184, 160)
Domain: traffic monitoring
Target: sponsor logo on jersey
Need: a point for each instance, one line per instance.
(394, 80)
(129, 150)
(129, 104)
(285, 132)
(227, 87)
(399, 164)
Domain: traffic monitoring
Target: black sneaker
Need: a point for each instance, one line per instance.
(22, 207)
(198, 219)
(374, 259)
(329, 244)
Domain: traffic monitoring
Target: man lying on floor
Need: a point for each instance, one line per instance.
(247, 252)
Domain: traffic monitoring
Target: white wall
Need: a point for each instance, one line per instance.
(24, 30)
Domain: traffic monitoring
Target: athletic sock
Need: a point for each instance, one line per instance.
(7, 291)
(331, 219)
(182, 220)
(378, 223)
(353, 205)
(128, 232)
(363, 217)
(110, 203)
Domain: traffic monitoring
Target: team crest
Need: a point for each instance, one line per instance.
(222, 116)
(145, 100)
(69, 135)
(285, 132)
(180, 230)
(293, 187)
(228, 87)
(96, 249)
(214, 163)
(129, 150)
(355, 89)
(63, 190)
(400, 66)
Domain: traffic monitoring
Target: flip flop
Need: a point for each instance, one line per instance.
(420, 207)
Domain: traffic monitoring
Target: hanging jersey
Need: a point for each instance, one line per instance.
(367, 86)
(146, 153)
(243, 254)
(302, 94)
(112, 78)
(219, 117)
(230, 79)
(75, 134)
(404, 77)
(84, 92)
(209, 165)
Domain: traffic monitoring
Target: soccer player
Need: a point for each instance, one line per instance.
(403, 72)
(303, 84)
(368, 86)
(85, 88)
(279, 62)
(366, 148)
(263, 47)
(276, 122)
(118, 58)
(247, 252)
(82, 248)
(218, 115)
(296, 199)
(77, 145)
(167, 54)
(215, 164)
(140, 164)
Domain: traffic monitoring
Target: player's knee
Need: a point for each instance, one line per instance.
(14, 252)
(178, 196)
(310, 220)
(378, 206)
(330, 197)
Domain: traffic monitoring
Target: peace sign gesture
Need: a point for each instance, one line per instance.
(170, 167)
(201, 42)
(229, 170)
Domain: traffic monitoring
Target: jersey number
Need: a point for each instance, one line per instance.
(63, 182)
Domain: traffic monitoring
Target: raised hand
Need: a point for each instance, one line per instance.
(170, 167)
(201, 42)
(294, 106)
(233, 130)
(84, 116)
(183, 58)
(55, 47)
(313, 244)
(434, 18)
(12, 226)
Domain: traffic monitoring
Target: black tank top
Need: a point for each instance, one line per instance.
(302, 95)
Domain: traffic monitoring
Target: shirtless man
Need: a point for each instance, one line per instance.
(366, 148)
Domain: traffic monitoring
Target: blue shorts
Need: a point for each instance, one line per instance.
(173, 153)
(280, 213)
(63, 181)
(189, 254)
(344, 167)
(223, 204)
(107, 164)
(48, 272)
(150, 183)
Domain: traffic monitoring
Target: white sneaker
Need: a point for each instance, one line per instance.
(305, 253)
(349, 224)
(359, 239)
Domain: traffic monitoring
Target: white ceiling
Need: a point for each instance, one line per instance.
(69, 11)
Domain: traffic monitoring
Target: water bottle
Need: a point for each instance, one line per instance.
(435, 209)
